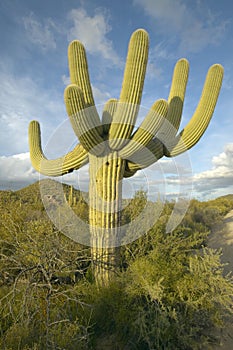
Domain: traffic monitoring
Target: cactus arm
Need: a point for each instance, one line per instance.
(108, 112)
(191, 134)
(79, 76)
(147, 130)
(78, 67)
(175, 101)
(131, 92)
(177, 90)
(128, 172)
(135, 69)
(85, 122)
(144, 158)
(55, 167)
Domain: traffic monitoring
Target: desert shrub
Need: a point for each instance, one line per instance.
(174, 297)
(42, 316)
(186, 296)
(40, 307)
(169, 293)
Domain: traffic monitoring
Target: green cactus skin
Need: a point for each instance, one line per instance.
(105, 196)
(108, 113)
(72, 200)
(55, 167)
(175, 101)
(79, 71)
(112, 149)
(192, 133)
(85, 122)
(131, 92)
(146, 131)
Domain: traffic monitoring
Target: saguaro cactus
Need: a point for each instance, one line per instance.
(112, 148)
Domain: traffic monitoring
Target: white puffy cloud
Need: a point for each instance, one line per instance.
(171, 11)
(92, 32)
(197, 28)
(178, 176)
(23, 100)
(219, 179)
(41, 34)
(16, 171)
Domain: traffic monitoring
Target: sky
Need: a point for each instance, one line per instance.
(34, 37)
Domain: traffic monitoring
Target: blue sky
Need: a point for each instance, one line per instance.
(34, 37)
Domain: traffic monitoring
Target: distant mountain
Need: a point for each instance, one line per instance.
(227, 196)
(32, 194)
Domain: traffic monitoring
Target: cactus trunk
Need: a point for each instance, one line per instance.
(105, 196)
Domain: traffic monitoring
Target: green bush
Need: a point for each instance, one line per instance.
(173, 297)
(171, 292)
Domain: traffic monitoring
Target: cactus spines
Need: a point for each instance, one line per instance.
(85, 122)
(105, 193)
(79, 74)
(192, 133)
(72, 200)
(108, 112)
(145, 157)
(73, 160)
(146, 131)
(112, 149)
(175, 100)
(131, 92)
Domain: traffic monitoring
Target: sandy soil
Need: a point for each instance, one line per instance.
(222, 237)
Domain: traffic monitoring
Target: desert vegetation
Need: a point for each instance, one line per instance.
(170, 291)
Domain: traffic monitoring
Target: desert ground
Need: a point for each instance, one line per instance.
(222, 237)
